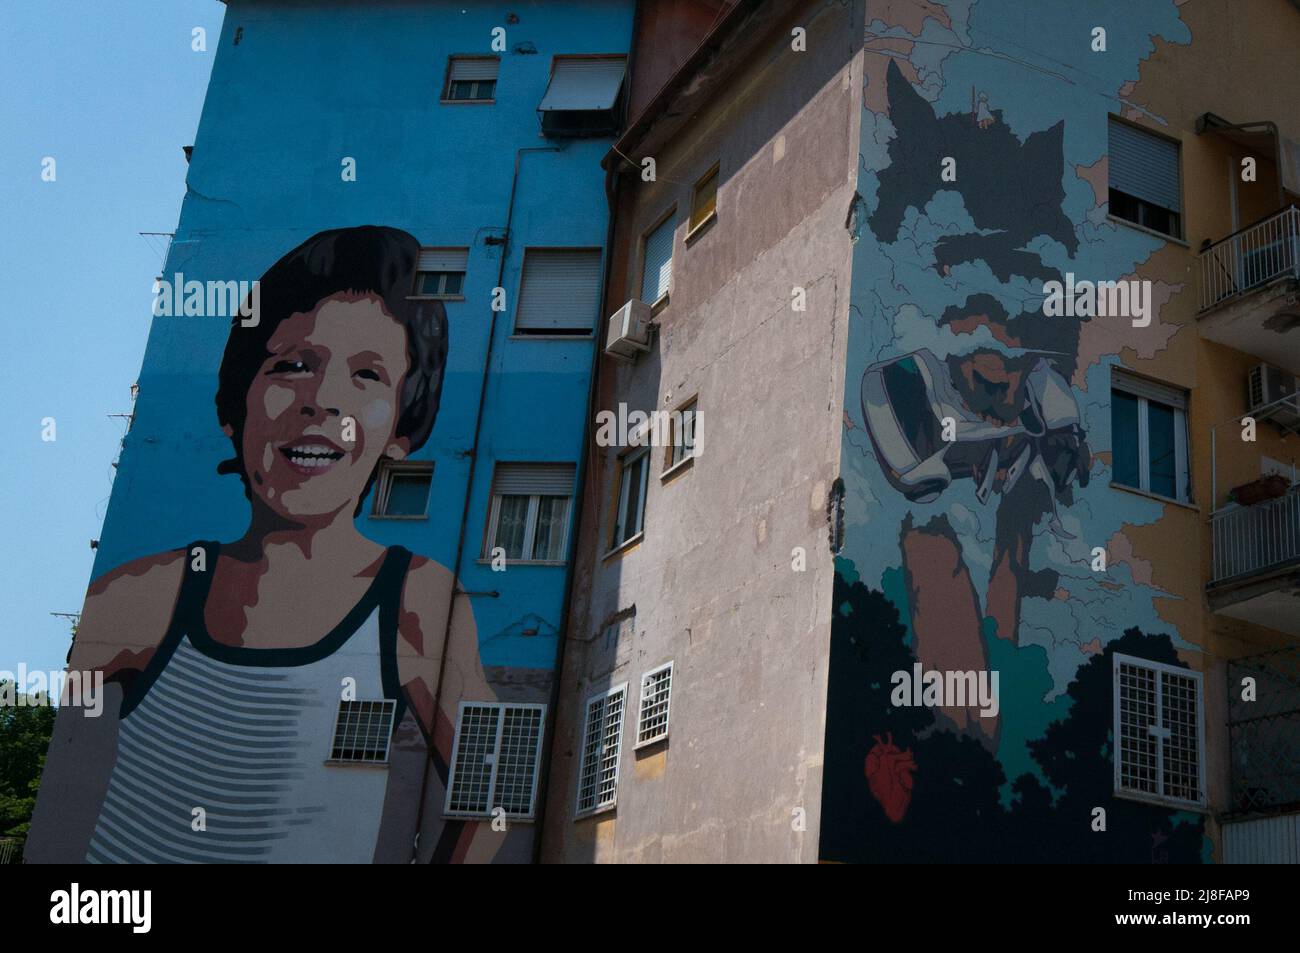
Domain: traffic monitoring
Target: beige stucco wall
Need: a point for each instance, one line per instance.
(712, 581)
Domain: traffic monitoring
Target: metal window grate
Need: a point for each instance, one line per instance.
(601, 746)
(1159, 731)
(1180, 711)
(1264, 731)
(521, 739)
(495, 759)
(363, 731)
(652, 719)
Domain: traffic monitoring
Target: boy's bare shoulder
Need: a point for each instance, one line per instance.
(426, 593)
(128, 609)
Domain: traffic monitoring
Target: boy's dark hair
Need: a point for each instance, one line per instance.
(364, 259)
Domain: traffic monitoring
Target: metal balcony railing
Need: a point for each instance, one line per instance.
(1251, 258)
(1253, 539)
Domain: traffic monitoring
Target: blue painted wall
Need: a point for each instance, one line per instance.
(307, 85)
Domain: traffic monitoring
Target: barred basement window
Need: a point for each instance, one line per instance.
(601, 746)
(362, 732)
(495, 760)
(652, 720)
(1159, 733)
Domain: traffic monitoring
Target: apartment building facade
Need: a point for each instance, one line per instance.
(416, 186)
(710, 438)
(976, 556)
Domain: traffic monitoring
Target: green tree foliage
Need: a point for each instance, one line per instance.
(24, 736)
(954, 813)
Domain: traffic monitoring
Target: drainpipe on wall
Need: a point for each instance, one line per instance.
(469, 491)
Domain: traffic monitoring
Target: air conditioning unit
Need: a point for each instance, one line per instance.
(629, 331)
(1269, 385)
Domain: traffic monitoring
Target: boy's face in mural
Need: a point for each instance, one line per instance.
(332, 374)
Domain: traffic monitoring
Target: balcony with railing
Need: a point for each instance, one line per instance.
(1251, 259)
(1255, 540)
(1249, 289)
(1255, 533)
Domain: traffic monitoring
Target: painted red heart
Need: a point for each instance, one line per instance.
(889, 776)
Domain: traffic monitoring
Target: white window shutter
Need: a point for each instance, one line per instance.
(584, 84)
(560, 290)
(657, 275)
(443, 259)
(466, 69)
(533, 479)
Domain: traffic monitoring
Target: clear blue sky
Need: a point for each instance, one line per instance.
(112, 91)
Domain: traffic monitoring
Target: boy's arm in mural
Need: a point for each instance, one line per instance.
(426, 596)
(429, 587)
(124, 619)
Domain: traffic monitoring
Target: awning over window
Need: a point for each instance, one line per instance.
(584, 83)
(1263, 139)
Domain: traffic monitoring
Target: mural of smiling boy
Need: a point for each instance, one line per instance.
(230, 679)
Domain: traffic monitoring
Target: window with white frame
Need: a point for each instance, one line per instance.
(657, 268)
(440, 273)
(471, 79)
(495, 759)
(362, 731)
(652, 717)
(681, 424)
(529, 516)
(602, 742)
(1159, 732)
(402, 489)
(629, 518)
(1149, 436)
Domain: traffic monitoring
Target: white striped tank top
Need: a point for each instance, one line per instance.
(245, 734)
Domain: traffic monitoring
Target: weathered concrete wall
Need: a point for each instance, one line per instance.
(711, 581)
